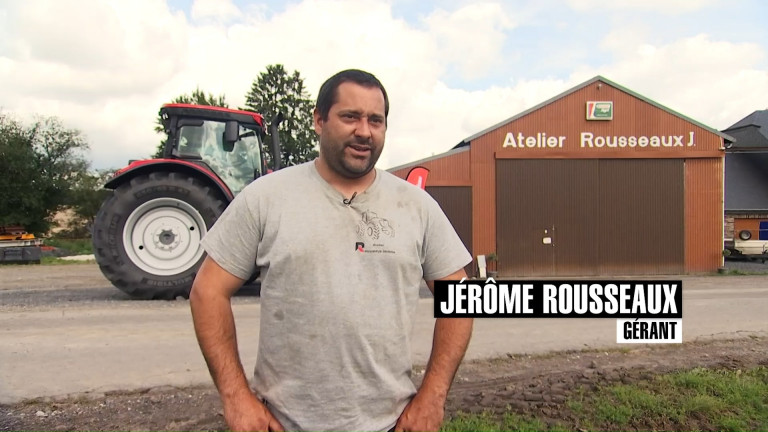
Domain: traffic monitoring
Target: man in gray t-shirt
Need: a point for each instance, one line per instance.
(343, 249)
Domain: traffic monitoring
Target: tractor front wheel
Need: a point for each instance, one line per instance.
(147, 234)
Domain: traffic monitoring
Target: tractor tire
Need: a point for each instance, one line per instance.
(147, 235)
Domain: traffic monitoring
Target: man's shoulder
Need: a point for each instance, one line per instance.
(290, 173)
(279, 181)
(399, 189)
(394, 183)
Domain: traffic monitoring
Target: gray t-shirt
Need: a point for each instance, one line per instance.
(340, 284)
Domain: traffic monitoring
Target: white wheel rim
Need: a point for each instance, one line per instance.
(162, 236)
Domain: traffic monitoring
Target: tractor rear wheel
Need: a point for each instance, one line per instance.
(147, 235)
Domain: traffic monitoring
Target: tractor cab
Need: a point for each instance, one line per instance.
(227, 142)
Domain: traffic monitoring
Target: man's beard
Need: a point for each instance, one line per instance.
(353, 167)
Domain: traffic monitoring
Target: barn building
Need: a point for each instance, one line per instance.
(598, 180)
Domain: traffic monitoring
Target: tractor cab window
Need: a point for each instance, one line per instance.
(237, 168)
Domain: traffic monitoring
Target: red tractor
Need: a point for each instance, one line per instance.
(146, 236)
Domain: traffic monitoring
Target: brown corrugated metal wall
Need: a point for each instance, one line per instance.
(590, 217)
(546, 213)
(483, 169)
(642, 216)
(456, 203)
(704, 214)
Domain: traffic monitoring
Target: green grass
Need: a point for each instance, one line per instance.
(737, 272)
(49, 260)
(74, 246)
(698, 399)
(486, 421)
(735, 400)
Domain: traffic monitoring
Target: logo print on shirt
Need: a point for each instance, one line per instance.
(373, 226)
(360, 247)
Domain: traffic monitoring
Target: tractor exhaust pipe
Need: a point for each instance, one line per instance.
(276, 155)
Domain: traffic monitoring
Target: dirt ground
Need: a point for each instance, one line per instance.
(535, 386)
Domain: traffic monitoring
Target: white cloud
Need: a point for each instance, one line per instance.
(97, 52)
(215, 10)
(440, 117)
(97, 66)
(105, 67)
(714, 82)
(662, 6)
(471, 37)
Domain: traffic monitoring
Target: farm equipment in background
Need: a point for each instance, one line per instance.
(146, 236)
(751, 241)
(18, 246)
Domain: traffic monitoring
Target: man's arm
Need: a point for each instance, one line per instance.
(451, 338)
(215, 329)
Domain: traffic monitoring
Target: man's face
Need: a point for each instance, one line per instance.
(352, 138)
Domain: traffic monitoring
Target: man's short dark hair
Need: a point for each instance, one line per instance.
(328, 91)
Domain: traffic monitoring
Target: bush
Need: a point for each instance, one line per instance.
(81, 246)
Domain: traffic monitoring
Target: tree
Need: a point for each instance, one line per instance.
(275, 91)
(197, 97)
(39, 165)
(87, 195)
(22, 203)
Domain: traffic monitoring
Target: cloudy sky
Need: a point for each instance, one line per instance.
(452, 68)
